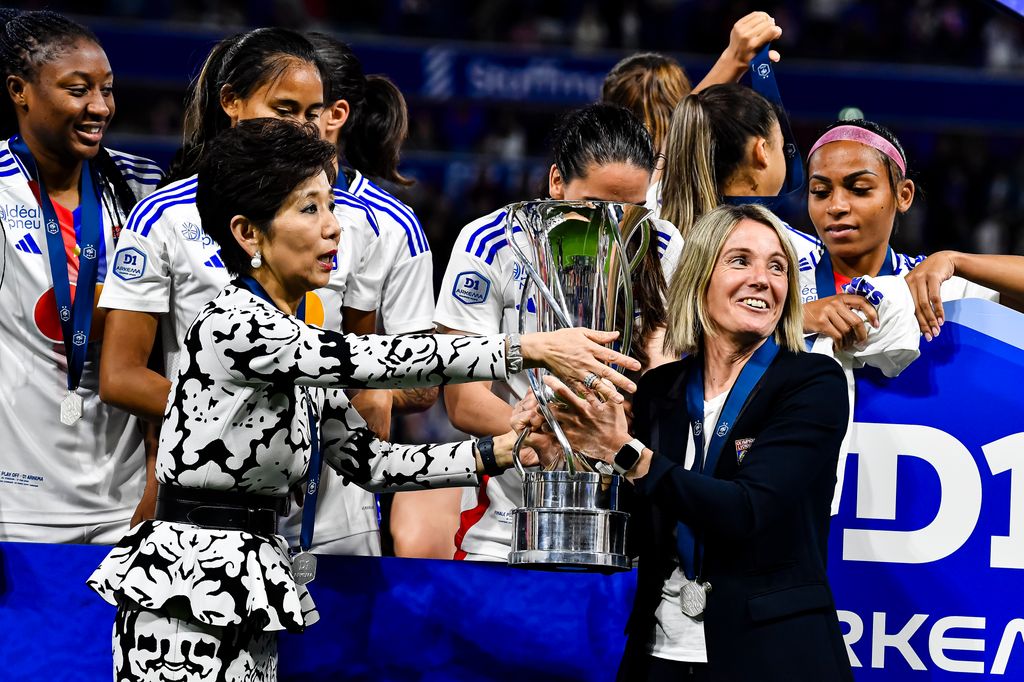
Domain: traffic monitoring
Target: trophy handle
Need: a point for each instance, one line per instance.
(543, 394)
(641, 215)
(517, 447)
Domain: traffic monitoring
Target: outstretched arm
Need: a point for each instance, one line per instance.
(1004, 274)
(748, 36)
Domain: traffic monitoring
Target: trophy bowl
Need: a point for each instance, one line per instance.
(578, 273)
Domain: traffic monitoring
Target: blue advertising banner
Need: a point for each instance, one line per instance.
(927, 552)
(926, 560)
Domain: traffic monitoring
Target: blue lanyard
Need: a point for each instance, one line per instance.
(690, 554)
(75, 318)
(762, 80)
(825, 280)
(315, 457)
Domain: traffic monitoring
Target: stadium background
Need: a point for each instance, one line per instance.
(486, 80)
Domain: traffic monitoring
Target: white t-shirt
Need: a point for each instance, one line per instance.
(676, 636)
(166, 264)
(89, 473)
(481, 294)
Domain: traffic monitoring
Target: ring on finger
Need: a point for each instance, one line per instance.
(590, 380)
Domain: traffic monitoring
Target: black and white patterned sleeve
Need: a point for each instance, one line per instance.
(265, 346)
(351, 449)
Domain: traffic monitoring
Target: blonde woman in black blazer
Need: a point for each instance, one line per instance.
(744, 542)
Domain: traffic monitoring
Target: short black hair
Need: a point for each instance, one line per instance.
(250, 170)
(599, 134)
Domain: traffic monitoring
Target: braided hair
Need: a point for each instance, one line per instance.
(29, 40)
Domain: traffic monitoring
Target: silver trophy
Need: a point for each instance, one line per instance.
(578, 273)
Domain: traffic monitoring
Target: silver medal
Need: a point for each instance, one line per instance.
(693, 598)
(303, 568)
(70, 409)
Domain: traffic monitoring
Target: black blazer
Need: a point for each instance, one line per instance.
(764, 521)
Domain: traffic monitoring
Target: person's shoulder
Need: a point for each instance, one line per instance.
(165, 202)
(663, 377)
(800, 367)
(483, 237)
(137, 170)
(392, 214)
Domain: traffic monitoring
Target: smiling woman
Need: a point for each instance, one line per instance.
(72, 196)
(733, 462)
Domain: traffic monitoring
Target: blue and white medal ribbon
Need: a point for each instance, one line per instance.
(75, 317)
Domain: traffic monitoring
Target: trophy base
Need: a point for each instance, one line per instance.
(569, 539)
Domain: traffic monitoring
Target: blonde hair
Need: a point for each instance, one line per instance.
(707, 145)
(650, 85)
(688, 319)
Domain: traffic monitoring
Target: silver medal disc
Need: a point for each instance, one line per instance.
(303, 568)
(693, 598)
(70, 409)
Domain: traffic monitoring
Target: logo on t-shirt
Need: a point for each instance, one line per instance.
(129, 264)
(471, 287)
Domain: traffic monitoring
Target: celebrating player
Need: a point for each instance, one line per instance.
(72, 466)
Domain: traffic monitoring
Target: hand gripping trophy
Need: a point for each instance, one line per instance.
(578, 273)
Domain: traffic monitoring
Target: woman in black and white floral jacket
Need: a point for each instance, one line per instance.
(204, 588)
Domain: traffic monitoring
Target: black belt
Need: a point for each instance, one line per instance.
(220, 509)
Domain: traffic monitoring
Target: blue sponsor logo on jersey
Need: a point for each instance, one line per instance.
(471, 287)
(20, 216)
(194, 233)
(129, 264)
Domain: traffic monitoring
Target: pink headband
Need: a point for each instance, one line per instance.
(858, 134)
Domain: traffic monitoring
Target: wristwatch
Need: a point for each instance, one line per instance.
(513, 354)
(627, 457)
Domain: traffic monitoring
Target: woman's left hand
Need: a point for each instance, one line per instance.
(574, 354)
(596, 429)
(925, 282)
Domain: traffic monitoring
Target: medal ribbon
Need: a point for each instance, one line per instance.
(690, 550)
(315, 457)
(762, 81)
(75, 317)
(825, 281)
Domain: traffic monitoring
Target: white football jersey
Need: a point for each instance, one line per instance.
(405, 268)
(166, 264)
(92, 472)
(481, 294)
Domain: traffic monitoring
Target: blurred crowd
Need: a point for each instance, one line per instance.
(972, 180)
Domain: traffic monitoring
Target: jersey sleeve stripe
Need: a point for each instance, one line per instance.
(801, 234)
(409, 237)
(373, 190)
(149, 209)
(346, 199)
(486, 240)
(472, 237)
(409, 224)
(498, 246)
(141, 179)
